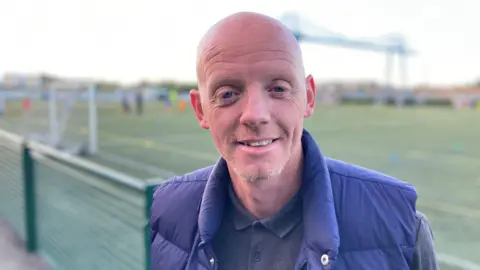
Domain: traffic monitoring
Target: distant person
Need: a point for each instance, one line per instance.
(26, 104)
(167, 103)
(273, 201)
(3, 104)
(125, 102)
(172, 96)
(182, 105)
(139, 102)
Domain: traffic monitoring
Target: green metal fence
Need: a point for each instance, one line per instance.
(76, 214)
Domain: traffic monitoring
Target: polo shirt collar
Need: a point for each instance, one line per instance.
(280, 224)
(319, 217)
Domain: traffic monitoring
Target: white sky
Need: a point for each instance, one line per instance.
(129, 40)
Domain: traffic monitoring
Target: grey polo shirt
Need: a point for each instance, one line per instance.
(245, 242)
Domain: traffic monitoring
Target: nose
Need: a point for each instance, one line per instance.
(256, 107)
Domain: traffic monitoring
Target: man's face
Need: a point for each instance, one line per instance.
(253, 99)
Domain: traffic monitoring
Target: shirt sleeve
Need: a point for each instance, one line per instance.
(424, 257)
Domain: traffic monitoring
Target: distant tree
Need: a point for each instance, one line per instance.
(168, 84)
(179, 86)
(186, 87)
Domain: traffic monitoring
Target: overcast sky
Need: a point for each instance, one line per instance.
(129, 40)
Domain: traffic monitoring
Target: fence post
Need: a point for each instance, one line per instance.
(29, 198)
(148, 211)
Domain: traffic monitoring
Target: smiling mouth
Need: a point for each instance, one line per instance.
(257, 143)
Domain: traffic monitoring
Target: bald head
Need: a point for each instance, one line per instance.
(252, 86)
(245, 32)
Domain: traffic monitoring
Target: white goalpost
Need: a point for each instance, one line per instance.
(92, 116)
(63, 118)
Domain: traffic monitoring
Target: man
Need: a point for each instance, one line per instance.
(273, 201)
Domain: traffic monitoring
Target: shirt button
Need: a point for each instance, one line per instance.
(257, 256)
(212, 261)
(324, 259)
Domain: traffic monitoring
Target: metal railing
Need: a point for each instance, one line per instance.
(76, 214)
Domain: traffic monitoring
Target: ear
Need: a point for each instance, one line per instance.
(197, 107)
(311, 96)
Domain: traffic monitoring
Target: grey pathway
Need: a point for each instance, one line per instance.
(13, 255)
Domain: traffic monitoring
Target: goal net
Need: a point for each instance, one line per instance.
(64, 118)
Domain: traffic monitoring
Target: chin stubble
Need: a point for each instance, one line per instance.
(253, 178)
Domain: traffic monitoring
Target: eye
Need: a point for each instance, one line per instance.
(226, 97)
(278, 89)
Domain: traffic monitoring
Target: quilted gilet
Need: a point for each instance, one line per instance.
(354, 218)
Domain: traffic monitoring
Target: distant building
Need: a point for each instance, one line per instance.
(22, 80)
(12, 81)
(70, 83)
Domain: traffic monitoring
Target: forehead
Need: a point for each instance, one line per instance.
(254, 59)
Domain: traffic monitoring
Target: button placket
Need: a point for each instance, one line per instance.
(257, 256)
(256, 244)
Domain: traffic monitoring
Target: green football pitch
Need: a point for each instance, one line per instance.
(435, 149)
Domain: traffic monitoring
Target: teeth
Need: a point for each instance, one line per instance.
(259, 143)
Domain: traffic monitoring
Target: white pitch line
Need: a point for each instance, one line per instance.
(136, 165)
(457, 262)
(362, 125)
(112, 143)
(171, 138)
(160, 146)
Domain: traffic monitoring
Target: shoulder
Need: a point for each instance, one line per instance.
(180, 190)
(175, 205)
(184, 185)
(357, 175)
(376, 188)
(372, 202)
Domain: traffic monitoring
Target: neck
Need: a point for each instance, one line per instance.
(265, 198)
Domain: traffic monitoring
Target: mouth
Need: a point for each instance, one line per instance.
(257, 143)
